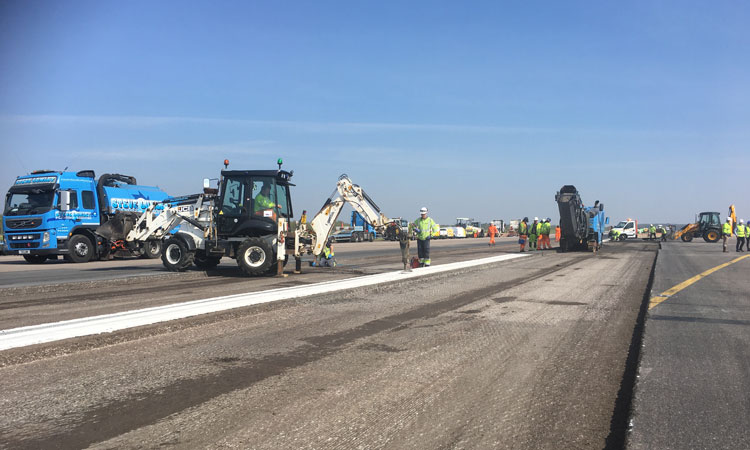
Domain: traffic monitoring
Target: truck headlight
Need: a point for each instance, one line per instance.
(45, 236)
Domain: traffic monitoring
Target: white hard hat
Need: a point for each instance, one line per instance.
(728, 219)
(423, 210)
(536, 219)
(741, 221)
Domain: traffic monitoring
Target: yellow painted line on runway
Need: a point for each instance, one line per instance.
(656, 299)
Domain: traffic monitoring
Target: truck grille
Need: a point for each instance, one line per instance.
(34, 222)
(22, 245)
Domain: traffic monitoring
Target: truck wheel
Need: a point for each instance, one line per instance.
(205, 262)
(35, 259)
(152, 249)
(254, 256)
(176, 256)
(687, 237)
(711, 236)
(371, 237)
(81, 250)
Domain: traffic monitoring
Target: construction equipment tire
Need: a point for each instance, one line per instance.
(205, 262)
(81, 249)
(152, 249)
(255, 256)
(687, 237)
(711, 236)
(35, 259)
(176, 256)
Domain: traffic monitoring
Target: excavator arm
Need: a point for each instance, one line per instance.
(346, 192)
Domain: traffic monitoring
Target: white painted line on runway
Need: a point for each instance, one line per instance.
(50, 332)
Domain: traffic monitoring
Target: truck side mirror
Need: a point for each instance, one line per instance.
(606, 221)
(64, 200)
(206, 183)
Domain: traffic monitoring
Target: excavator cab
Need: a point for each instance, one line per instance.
(251, 202)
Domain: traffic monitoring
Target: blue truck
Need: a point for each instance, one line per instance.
(581, 227)
(360, 231)
(50, 213)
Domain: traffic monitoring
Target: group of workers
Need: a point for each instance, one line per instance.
(652, 232)
(537, 234)
(741, 231)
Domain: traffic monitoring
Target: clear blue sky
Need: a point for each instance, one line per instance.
(479, 109)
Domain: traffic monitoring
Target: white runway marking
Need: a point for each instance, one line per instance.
(55, 331)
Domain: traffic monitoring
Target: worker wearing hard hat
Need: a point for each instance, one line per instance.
(651, 231)
(425, 228)
(534, 234)
(726, 232)
(741, 236)
(544, 236)
(523, 233)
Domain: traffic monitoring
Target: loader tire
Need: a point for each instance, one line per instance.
(176, 256)
(711, 236)
(687, 237)
(205, 262)
(255, 256)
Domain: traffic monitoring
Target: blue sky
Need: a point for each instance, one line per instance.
(479, 109)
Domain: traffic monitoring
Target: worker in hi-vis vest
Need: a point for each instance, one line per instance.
(426, 228)
(741, 236)
(523, 233)
(492, 231)
(726, 232)
(534, 234)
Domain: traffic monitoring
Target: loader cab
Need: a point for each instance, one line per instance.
(709, 220)
(252, 201)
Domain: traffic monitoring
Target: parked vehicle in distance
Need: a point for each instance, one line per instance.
(361, 230)
(626, 229)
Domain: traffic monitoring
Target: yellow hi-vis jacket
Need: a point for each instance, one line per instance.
(740, 232)
(426, 228)
(727, 229)
(523, 228)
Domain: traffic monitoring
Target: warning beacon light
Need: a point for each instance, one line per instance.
(226, 163)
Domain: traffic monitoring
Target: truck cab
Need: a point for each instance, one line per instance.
(44, 209)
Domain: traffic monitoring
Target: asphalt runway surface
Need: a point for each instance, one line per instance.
(529, 353)
(695, 367)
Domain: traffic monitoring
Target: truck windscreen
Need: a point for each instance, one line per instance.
(31, 202)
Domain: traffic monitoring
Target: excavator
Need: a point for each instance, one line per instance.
(247, 218)
(708, 226)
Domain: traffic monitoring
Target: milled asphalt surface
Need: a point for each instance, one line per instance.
(16, 272)
(531, 353)
(694, 377)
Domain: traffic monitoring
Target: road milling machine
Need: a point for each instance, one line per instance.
(581, 227)
(247, 218)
